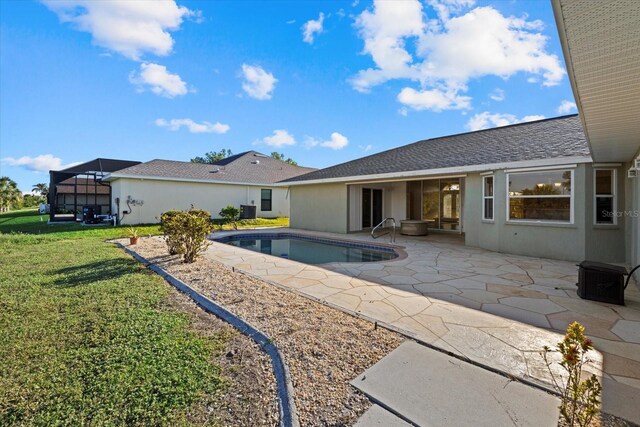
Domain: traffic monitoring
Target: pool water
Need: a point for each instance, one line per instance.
(311, 250)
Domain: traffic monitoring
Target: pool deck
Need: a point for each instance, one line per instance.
(495, 309)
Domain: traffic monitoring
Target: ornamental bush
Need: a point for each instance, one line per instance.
(579, 399)
(170, 237)
(230, 215)
(186, 232)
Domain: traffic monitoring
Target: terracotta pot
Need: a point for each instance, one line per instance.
(133, 240)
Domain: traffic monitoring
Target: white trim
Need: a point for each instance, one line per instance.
(493, 198)
(486, 173)
(113, 177)
(613, 196)
(543, 163)
(544, 168)
(538, 221)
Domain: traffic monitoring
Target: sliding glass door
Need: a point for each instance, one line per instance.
(371, 207)
(441, 202)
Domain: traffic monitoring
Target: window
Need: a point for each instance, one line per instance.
(487, 198)
(605, 194)
(265, 200)
(541, 196)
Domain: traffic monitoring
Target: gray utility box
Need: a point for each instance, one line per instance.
(601, 282)
(248, 212)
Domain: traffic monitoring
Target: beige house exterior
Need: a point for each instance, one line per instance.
(141, 193)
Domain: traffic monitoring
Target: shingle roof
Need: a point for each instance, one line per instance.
(543, 139)
(248, 167)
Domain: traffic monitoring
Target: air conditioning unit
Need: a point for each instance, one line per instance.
(632, 173)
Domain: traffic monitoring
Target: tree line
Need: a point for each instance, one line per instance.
(216, 156)
(12, 198)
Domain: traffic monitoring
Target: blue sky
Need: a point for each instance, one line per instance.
(322, 82)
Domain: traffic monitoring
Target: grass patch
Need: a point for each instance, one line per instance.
(252, 223)
(86, 337)
(28, 221)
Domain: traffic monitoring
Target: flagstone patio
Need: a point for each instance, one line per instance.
(496, 309)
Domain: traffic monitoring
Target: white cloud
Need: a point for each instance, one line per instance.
(159, 81)
(434, 99)
(130, 28)
(488, 120)
(451, 50)
(258, 83)
(497, 95)
(445, 8)
(41, 163)
(365, 148)
(193, 127)
(336, 142)
(280, 138)
(567, 107)
(311, 28)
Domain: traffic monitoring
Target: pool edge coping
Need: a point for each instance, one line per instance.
(399, 250)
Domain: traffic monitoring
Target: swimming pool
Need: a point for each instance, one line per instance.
(309, 249)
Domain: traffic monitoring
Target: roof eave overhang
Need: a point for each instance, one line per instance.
(607, 137)
(115, 176)
(562, 33)
(456, 170)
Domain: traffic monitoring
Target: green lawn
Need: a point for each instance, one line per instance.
(86, 337)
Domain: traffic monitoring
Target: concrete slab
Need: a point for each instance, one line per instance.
(376, 416)
(432, 389)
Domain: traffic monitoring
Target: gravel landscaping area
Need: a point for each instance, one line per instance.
(323, 347)
(249, 394)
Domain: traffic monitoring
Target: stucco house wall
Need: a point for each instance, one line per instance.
(321, 207)
(559, 241)
(159, 196)
(632, 219)
(574, 242)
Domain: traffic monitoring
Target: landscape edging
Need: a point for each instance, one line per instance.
(287, 407)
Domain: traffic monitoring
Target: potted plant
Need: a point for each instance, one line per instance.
(133, 236)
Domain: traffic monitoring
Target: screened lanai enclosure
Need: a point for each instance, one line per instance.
(78, 192)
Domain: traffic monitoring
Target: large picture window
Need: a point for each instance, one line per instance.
(605, 194)
(540, 196)
(487, 198)
(265, 200)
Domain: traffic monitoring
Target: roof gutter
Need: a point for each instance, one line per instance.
(115, 176)
(446, 171)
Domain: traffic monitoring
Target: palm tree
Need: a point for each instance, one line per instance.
(10, 195)
(41, 189)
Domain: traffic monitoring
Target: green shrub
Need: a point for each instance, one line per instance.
(579, 400)
(188, 231)
(230, 215)
(173, 243)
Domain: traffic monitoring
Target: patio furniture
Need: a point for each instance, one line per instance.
(414, 227)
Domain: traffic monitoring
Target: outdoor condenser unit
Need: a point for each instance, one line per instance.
(602, 282)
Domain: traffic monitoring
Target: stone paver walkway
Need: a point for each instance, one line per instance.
(429, 388)
(496, 309)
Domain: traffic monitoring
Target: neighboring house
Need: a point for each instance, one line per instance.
(141, 193)
(529, 188)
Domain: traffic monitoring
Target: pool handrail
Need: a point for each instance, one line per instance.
(393, 229)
